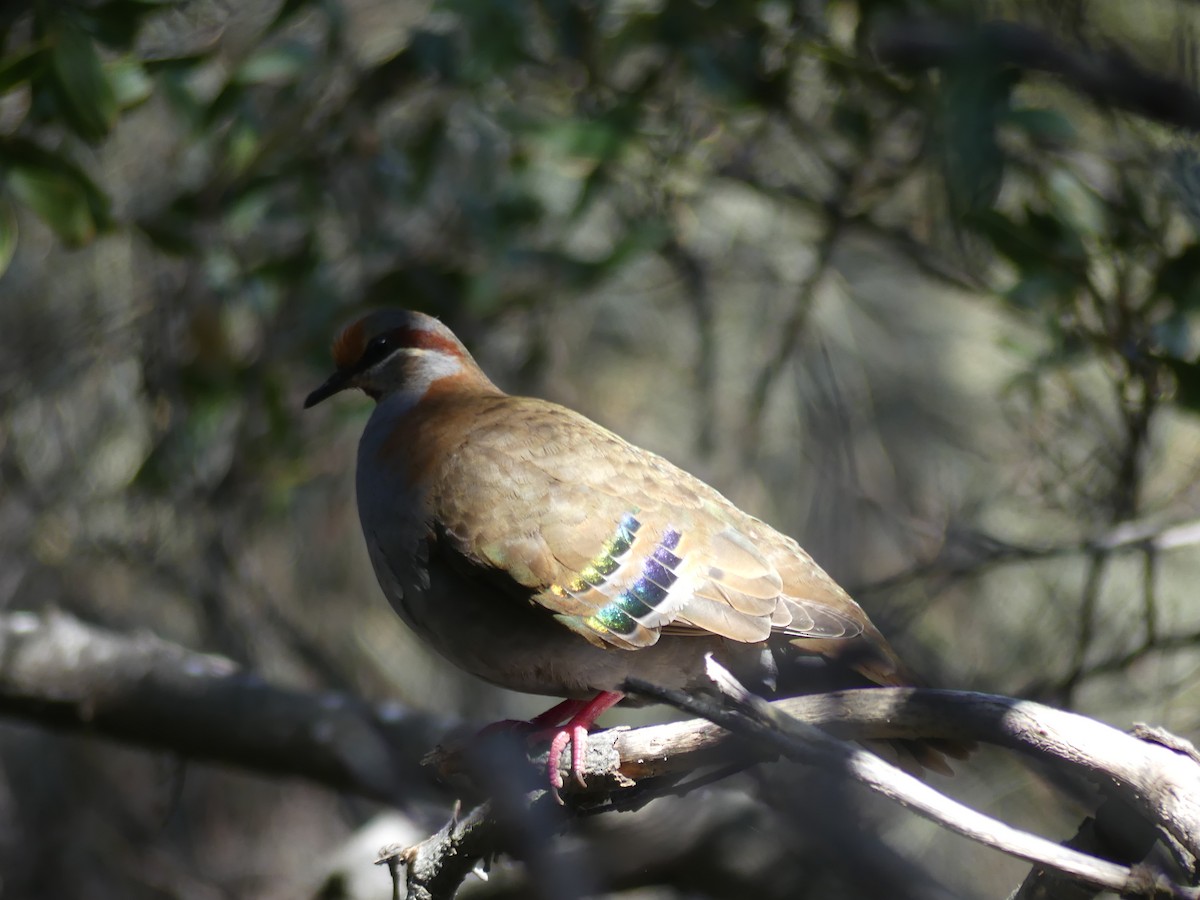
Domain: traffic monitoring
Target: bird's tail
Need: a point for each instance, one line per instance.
(867, 661)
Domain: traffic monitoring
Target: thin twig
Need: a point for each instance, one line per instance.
(984, 551)
(1093, 583)
(795, 327)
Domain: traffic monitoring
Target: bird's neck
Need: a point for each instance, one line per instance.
(416, 430)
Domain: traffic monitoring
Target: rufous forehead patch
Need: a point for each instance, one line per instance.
(349, 345)
(430, 339)
(401, 329)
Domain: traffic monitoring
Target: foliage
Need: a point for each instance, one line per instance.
(683, 216)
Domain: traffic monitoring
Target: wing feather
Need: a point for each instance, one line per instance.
(715, 617)
(619, 544)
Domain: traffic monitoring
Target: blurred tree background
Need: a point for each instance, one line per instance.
(917, 282)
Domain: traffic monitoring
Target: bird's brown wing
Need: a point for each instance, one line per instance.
(618, 543)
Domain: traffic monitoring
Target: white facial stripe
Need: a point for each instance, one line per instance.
(409, 371)
(434, 364)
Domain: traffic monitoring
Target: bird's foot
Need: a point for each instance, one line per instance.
(565, 723)
(569, 723)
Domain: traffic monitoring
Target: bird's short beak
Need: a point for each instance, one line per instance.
(336, 382)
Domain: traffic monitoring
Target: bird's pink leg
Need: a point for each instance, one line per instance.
(574, 731)
(566, 722)
(539, 724)
(558, 713)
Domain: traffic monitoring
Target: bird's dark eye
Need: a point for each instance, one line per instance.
(377, 349)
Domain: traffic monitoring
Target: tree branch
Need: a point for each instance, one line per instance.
(1159, 782)
(1043, 728)
(58, 671)
(970, 552)
(1110, 78)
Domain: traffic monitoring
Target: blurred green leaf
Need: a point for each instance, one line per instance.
(516, 208)
(726, 48)
(573, 25)
(8, 234)
(1061, 243)
(178, 65)
(57, 189)
(975, 95)
(288, 10)
(1038, 243)
(497, 31)
(416, 286)
(1039, 288)
(429, 55)
(173, 229)
(280, 415)
(21, 67)
(170, 234)
(1045, 126)
(57, 198)
(289, 267)
(435, 53)
(131, 85)
(281, 64)
(1076, 204)
(1173, 337)
(86, 96)
(1178, 279)
(593, 188)
(227, 99)
(248, 210)
(594, 140)
(581, 273)
(242, 146)
(117, 22)
(1183, 168)
(852, 121)
(173, 82)
(1187, 383)
(335, 18)
(639, 238)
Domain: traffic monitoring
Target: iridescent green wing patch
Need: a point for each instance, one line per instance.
(628, 590)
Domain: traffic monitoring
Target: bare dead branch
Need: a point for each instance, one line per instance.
(1115, 832)
(970, 552)
(764, 723)
(434, 868)
(1160, 783)
(58, 671)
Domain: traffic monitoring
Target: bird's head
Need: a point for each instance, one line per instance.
(395, 350)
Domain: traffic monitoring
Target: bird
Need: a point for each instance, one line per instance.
(541, 552)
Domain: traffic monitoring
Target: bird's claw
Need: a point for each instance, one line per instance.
(567, 723)
(576, 736)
